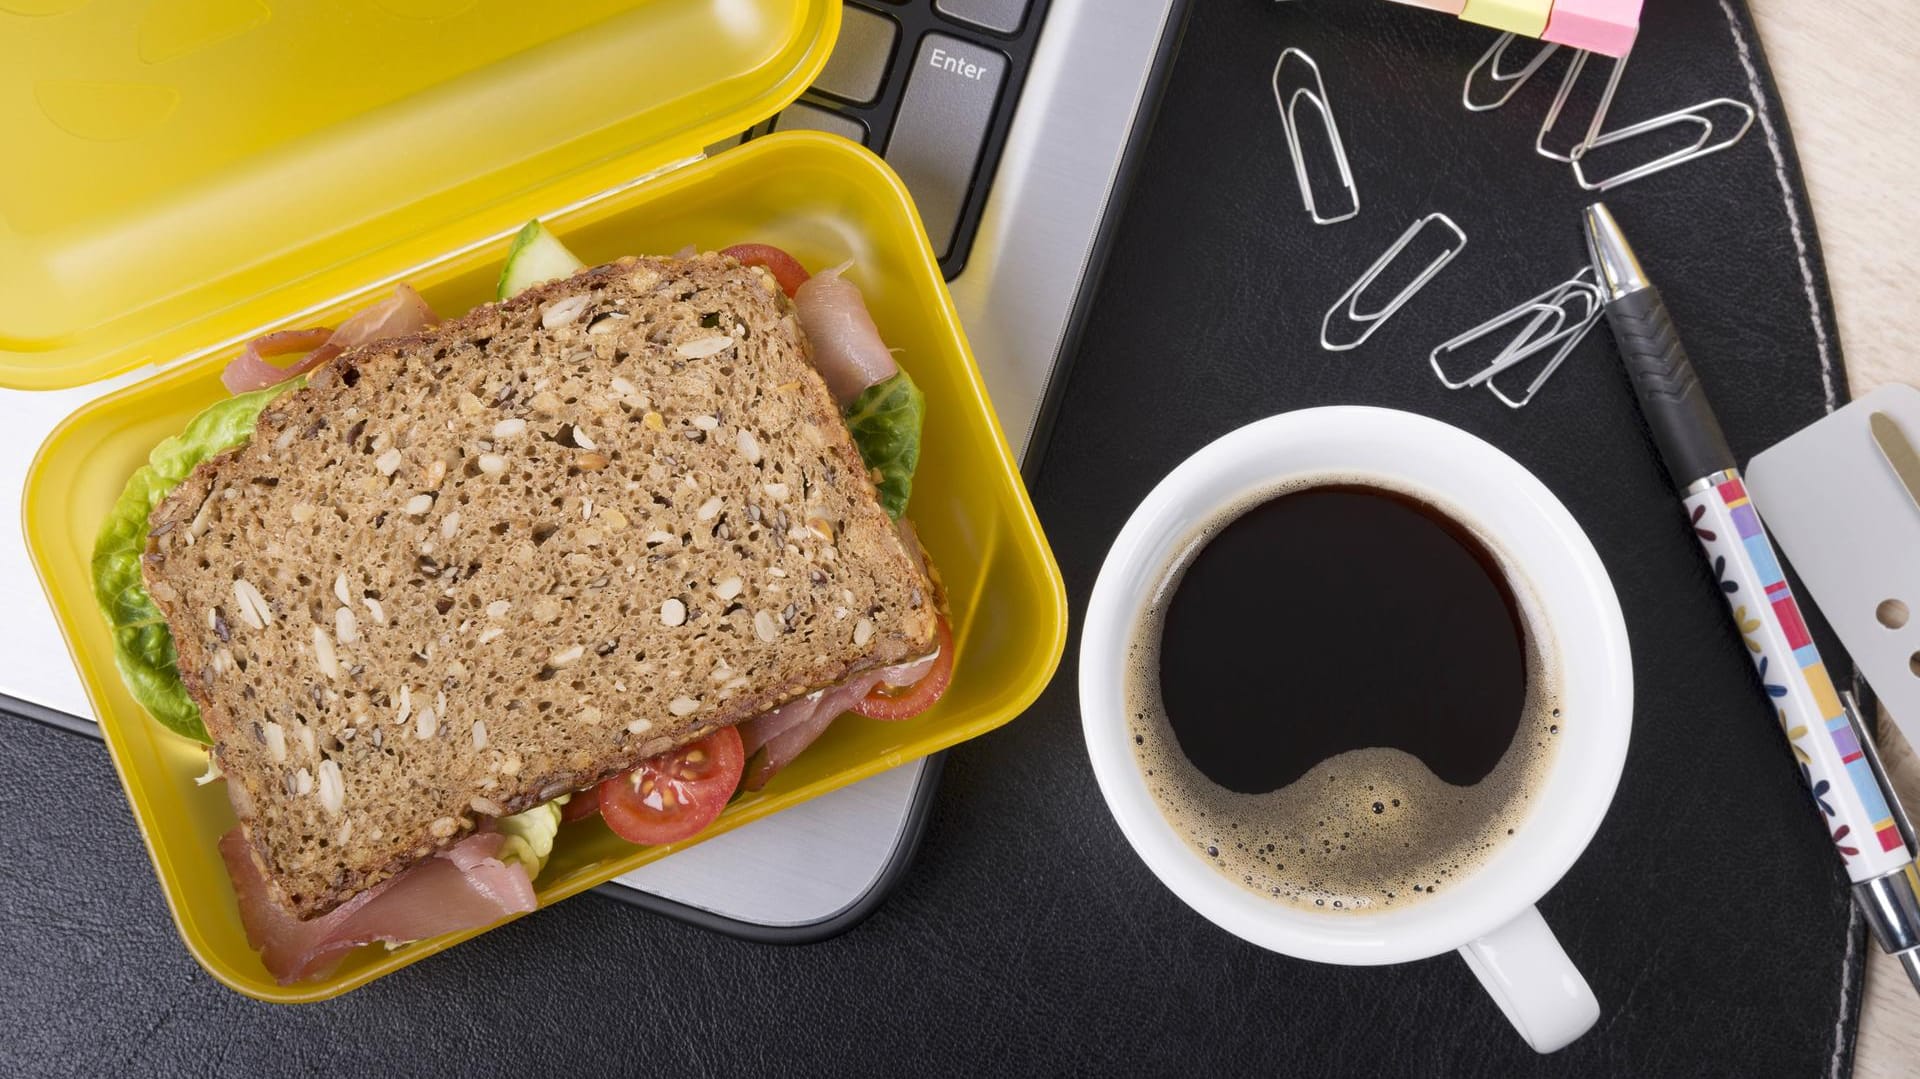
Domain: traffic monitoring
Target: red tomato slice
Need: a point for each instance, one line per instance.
(786, 269)
(582, 805)
(677, 794)
(905, 702)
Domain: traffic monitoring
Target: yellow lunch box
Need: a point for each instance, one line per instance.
(188, 176)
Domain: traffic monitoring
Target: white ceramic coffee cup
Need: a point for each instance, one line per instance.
(1488, 915)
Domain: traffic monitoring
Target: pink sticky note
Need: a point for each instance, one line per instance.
(1524, 17)
(1603, 26)
(1451, 7)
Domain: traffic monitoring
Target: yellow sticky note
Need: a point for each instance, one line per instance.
(1527, 17)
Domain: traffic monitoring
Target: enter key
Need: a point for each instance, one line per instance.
(942, 126)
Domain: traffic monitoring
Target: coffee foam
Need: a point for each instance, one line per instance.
(1369, 829)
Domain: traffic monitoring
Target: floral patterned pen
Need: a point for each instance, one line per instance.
(1869, 829)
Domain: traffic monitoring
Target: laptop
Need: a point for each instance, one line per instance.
(1013, 123)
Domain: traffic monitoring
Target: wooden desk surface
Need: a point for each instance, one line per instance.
(1849, 72)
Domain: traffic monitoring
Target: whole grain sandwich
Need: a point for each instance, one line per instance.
(622, 542)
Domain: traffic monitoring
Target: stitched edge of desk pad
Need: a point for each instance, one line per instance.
(1812, 267)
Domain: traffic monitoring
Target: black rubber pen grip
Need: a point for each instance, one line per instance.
(1671, 397)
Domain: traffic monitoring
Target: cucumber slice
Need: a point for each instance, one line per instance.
(535, 257)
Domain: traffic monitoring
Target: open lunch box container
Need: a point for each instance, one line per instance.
(188, 178)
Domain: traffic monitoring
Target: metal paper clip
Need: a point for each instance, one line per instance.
(1544, 308)
(1349, 302)
(1316, 96)
(1594, 126)
(1569, 338)
(1491, 61)
(1549, 312)
(1704, 146)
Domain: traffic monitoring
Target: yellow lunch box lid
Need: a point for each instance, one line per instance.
(187, 172)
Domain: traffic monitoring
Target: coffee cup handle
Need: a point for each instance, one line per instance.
(1529, 975)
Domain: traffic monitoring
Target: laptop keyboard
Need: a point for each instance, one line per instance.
(930, 85)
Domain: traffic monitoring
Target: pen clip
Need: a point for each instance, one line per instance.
(1872, 751)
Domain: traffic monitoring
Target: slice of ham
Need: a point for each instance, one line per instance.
(404, 312)
(788, 730)
(767, 727)
(250, 370)
(400, 314)
(847, 348)
(786, 746)
(463, 887)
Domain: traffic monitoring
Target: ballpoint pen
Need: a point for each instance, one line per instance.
(1823, 729)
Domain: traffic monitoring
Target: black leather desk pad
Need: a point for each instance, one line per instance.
(1709, 914)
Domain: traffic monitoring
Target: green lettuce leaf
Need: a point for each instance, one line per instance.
(530, 836)
(885, 421)
(142, 646)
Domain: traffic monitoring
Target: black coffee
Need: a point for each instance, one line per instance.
(1337, 697)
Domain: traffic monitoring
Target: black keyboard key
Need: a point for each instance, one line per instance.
(858, 65)
(1002, 15)
(942, 122)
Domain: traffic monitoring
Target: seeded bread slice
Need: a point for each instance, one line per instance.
(471, 569)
